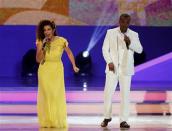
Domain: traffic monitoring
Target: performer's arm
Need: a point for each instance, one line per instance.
(106, 53)
(71, 58)
(39, 51)
(105, 49)
(135, 45)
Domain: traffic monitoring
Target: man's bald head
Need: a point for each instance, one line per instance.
(124, 22)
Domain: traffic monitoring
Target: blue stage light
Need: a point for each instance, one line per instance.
(84, 62)
(85, 54)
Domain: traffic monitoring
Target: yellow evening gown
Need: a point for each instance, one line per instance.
(51, 100)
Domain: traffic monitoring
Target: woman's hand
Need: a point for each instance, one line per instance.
(76, 69)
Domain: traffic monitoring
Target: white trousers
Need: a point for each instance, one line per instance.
(110, 86)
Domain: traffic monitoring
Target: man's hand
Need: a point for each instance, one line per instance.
(127, 41)
(111, 67)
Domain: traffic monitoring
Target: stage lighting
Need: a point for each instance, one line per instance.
(84, 62)
(85, 54)
(104, 19)
(29, 65)
(84, 86)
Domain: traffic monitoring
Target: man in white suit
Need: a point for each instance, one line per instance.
(118, 49)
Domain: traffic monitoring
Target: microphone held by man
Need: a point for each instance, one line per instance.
(127, 41)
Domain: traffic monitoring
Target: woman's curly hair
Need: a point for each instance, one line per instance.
(40, 29)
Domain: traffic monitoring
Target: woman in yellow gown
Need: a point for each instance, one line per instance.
(51, 101)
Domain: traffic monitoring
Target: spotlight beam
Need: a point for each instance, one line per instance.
(101, 30)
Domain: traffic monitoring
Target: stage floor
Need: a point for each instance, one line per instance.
(151, 106)
(88, 123)
(92, 83)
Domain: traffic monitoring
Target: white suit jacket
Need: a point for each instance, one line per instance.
(114, 50)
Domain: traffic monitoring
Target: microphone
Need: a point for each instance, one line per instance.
(45, 41)
(127, 45)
